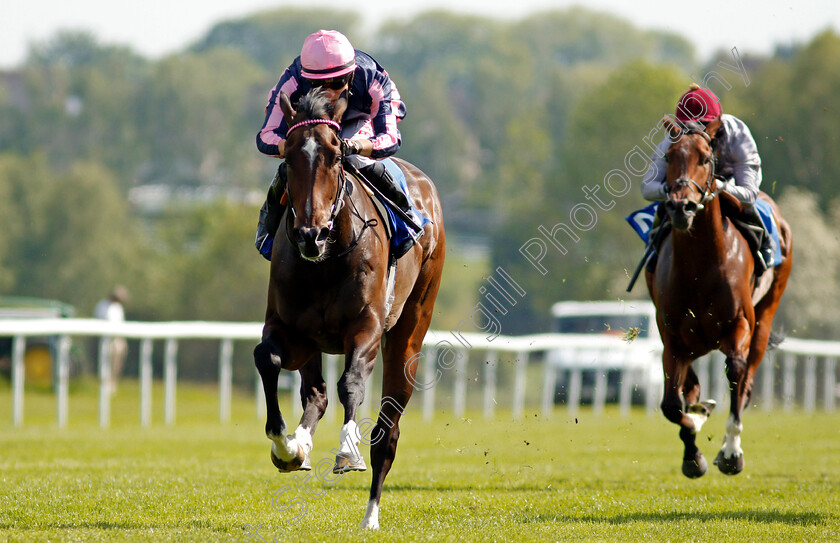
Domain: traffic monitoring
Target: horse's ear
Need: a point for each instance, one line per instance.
(340, 107)
(286, 107)
(673, 128)
(713, 127)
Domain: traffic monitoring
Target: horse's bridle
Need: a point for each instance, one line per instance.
(708, 193)
(338, 202)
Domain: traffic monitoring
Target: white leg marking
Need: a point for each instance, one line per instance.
(286, 447)
(349, 438)
(304, 438)
(280, 448)
(732, 440)
(371, 520)
(697, 421)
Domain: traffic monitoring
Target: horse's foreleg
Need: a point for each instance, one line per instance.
(313, 397)
(360, 359)
(673, 407)
(286, 455)
(730, 459)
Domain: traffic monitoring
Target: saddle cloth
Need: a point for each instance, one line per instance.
(402, 236)
(642, 222)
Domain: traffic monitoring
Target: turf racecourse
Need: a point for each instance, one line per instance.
(594, 478)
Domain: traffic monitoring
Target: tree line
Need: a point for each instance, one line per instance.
(512, 119)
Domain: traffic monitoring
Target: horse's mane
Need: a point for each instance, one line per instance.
(315, 104)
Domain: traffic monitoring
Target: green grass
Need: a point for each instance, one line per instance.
(605, 478)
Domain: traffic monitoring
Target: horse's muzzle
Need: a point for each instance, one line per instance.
(682, 213)
(311, 241)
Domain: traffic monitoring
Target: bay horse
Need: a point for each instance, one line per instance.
(704, 290)
(328, 293)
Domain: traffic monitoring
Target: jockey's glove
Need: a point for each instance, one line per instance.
(350, 147)
(725, 184)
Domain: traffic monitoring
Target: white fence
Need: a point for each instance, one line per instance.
(799, 362)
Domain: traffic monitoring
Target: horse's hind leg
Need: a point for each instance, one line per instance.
(401, 355)
(730, 459)
(400, 365)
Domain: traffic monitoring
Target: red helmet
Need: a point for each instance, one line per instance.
(327, 54)
(698, 104)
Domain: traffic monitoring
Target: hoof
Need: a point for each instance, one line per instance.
(294, 464)
(348, 462)
(694, 467)
(306, 466)
(730, 466)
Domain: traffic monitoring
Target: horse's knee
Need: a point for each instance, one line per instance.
(265, 359)
(351, 391)
(736, 367)
(672, 410)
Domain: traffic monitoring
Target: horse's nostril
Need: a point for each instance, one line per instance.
(305, 235)
(690, 207)
(323, 234)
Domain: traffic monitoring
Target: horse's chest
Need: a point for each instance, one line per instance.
(324, 311)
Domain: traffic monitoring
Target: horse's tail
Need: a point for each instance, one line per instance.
(775, 339)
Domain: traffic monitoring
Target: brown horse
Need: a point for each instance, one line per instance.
(328, 293)
(706, 295)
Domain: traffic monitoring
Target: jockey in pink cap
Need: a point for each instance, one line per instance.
(737, 164)
(368, 128)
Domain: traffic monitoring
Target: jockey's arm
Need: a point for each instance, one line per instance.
(271, 139)
(653, 183)
(744, 175)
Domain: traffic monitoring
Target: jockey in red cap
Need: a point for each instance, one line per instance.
(738, 162)
(738, 165)
(368, 128)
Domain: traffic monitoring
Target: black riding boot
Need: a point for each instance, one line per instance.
(270, 213)
(378, 175)
(660, 228)
(758, 239)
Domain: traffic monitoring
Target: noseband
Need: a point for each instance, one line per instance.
(684, 181)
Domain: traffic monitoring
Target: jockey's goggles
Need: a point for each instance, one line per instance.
(332, 83)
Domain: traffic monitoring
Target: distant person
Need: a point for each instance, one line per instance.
(111, 309)
(368, 128)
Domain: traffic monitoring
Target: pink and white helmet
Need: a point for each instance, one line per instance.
(327, 54)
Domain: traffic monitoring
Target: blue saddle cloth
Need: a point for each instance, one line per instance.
(404, 235)
(642, 221)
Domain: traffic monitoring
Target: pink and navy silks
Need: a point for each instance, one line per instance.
(373, 110)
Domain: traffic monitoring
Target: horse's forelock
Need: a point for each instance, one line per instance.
(315, 105)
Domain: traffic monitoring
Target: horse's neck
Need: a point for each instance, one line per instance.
(706, 241)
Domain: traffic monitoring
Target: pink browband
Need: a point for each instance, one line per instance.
(314, 121)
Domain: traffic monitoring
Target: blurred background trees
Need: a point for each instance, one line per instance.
(119, 169)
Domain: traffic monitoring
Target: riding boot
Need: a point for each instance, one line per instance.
(270, 213)
(763, 249)
(378, 175)
(658, 230)
(749, 224)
